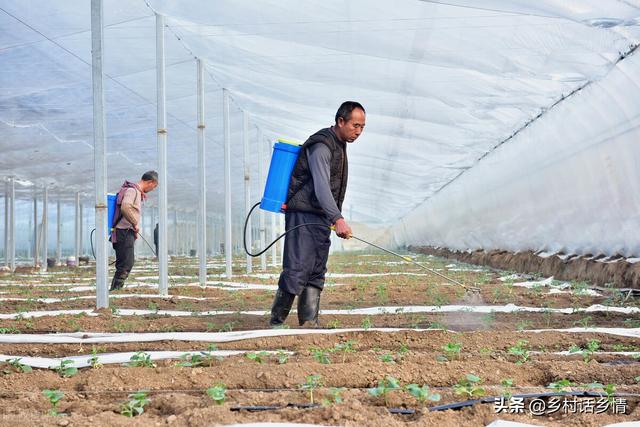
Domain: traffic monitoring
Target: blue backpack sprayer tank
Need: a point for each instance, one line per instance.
(111, 211)
(283, 160)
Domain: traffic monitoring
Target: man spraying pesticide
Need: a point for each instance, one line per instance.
(308, 183)
(126, 224)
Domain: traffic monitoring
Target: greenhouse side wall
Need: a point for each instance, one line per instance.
(568, 183)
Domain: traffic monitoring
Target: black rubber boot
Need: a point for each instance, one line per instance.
(309, 305)
(281, 306)
(118, 281)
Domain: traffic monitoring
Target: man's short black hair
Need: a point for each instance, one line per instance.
(150, 176)
(346, 109)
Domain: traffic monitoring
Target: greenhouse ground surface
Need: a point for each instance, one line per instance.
(461, 347)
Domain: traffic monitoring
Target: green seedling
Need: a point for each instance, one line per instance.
(228, 327)
(637, 379)
(592, 347)
(135, 405)
(334, 396)
(282, 356)
(561, 385)
(452, 350)
(320, 355)
(344, 348)
(387, 358)
(384, 388)
(140, 360)
(588, 351)
(382, 294)
(9, 330)
(334, 324)
(423, 394)
(257, 357)
(469, 386)
(189, 360)
(366, 323)
(523, 324)
(632, 323)
(312, 382)
(610, 391)
(585, 322)
(507, 384)
(54, 397)
(437, 325)
(93, 361)
(16, 366)
(217, 393)
(520, 350)
(66, 371)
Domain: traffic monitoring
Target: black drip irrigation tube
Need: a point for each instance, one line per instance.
(456, 406)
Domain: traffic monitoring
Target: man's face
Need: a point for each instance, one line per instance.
(149, 186)
(350, 130)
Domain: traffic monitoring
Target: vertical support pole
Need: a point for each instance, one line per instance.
(12, 225)
(58, 233)
(81, 248)
(175, 232)
(6, 224)
(163, 283)
(36, 249)
(228, 250)
(99, 153)
(202, 179)
(45, 229)
(263, 231)
(77, 231)
(247, 185)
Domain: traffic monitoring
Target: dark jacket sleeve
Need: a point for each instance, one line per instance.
(319, 156)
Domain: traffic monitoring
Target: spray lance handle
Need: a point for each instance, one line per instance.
(333, 227)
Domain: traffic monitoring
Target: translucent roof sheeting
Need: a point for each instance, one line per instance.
(444, 84)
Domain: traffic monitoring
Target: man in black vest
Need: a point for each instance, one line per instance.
(316, 192)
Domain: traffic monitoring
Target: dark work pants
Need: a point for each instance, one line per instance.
(306, 251)
(125, 240)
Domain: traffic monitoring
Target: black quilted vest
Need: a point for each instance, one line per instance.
(301, 196)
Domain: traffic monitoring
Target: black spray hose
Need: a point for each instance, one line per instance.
(93, 252)
(405, 258)
(244, 233)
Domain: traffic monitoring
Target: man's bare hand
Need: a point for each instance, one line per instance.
(342, 229)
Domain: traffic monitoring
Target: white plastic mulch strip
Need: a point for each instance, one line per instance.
(625, 332)
(109, 358)
(555, 288)
(116, 296)
(216, 337)
(509, 308)
(222, 337)
(83, 361)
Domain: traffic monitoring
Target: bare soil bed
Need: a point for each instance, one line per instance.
(439, 349)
